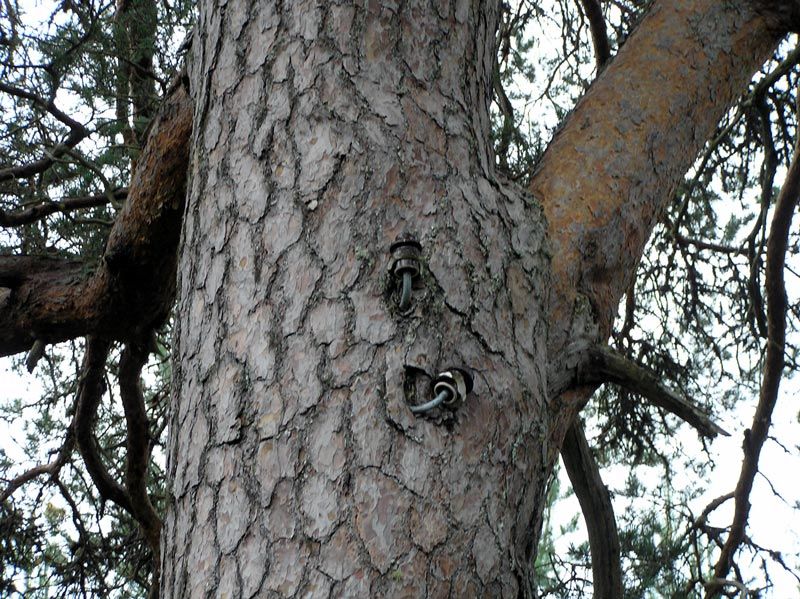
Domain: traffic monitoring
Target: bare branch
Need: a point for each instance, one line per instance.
(507, 110)
(755, 238)
(713, 505)
(34, 212)
(773, 366)
(77, 132)
(598, 513)
(784, 68)
(133, 359)
(597, 27)
(50, 469)
(46, 105)
(708, 245)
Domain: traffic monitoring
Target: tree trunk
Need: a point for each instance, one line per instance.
(323, 134)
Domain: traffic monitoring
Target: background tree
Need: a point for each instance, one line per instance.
(685, 305)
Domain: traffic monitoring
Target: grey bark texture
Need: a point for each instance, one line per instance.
(323, 132)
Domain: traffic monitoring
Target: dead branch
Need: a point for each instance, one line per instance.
(598, 513)
(607, 366)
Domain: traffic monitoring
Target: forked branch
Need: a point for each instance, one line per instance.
(134, 284)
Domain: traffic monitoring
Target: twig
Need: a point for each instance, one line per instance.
(720, 582)
(50, 469)
(713, 505)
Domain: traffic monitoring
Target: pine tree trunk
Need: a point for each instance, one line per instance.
(323, 133)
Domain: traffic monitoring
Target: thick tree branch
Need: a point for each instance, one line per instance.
(643, 138)
(605, 365)
(14, 270)
(133, 286)
(598, 513)
(782, 15)
(34, 212)
(90, 391)
(777, 304)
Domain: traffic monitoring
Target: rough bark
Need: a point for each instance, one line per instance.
(607, 175)
(323, 133)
